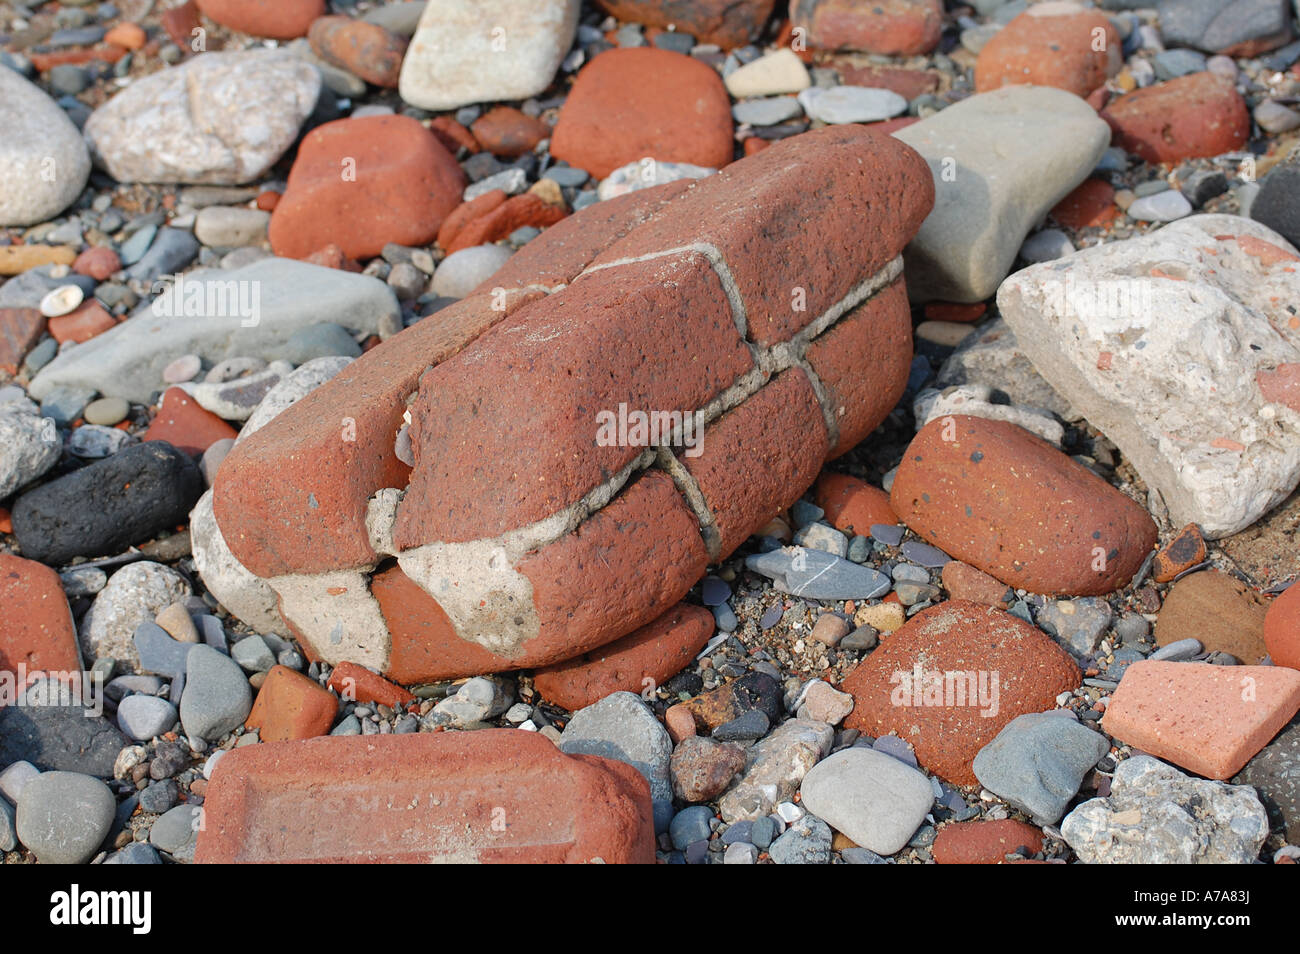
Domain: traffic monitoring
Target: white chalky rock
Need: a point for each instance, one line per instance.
(44, 162)
(1182, 347)
(977, 401)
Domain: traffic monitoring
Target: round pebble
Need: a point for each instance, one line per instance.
(185, 368)
(62, 301)
(106, 411)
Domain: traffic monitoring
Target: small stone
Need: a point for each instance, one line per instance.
(873, 799)
(806, 842)
(63, 817)
(702, 768)
(143, 717)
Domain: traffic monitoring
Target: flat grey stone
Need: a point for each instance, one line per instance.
(873, 798)
(817, 575)
(217, 697)
(145, 717)
(806, 842)
(176, 831)
(1038, 761)
(63, 817)
(623, 728)
(1078, 624)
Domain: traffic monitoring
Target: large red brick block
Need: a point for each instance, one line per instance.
(728, 23)
(1189, 117)
(629, 104)
(1057, 43)
(492, 796)
(995, 496)
(36, 629)
(891, 27)
(362, 183)
(575, 423)
(275, 19)
(951, 678)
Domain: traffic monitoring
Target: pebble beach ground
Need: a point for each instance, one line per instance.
(340, 348)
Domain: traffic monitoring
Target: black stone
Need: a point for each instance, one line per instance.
(109, 505)
(1278, 202)
(1204, 185)
(59, 739)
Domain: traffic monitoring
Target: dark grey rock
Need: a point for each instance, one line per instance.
(217, 696)
(109, 505)
(752, 725)
(1218, 25)
(690, 825)
(806, 842)
(1275, 774)
(1038, 761)
(136, 853)
(59, 738)
(1278, 202)
(171, 251)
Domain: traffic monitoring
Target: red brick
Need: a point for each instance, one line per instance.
(627, 104)
(99, 262)
(863, 362)
(953, 311)
(1190, 117)
(366, 50)
(467, 212)
(891, 27)
(515, 213)
(822, 253)
(289, 706)
(308, 457)
(908, 84)
(275, 19)
(185, 425)
(496, 795)
(1207, 719)
(20, 330)
(984, 842)
(358, 684)
(1223, 613)
(1282, 629)
(622, 568)
(1090, 205)
(180, 22)
(36, 629)
(90, 319)
(1002, 500)
(781, 435)
(728, 23)
(1052, 44)
(964, 582)
(505, 131)
(44, 62)
(622, 335)
(655, 652)
(853, 505)
(405, 184)
(957, 637)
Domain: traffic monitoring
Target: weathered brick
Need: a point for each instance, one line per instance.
(655, 652)
(729, 23)
(185, 425)
(1057, 44)
(781, 435)
(861, 393)
(36, 628)
(1200, 114)
(853, 505)
(515, 213)
(364, 49)
(822, 251)
(632, 336)
(985, 842)
(362, 183)
(290, 706)
(359, 684)
(497, 795)
(467, 212)
(998, 498)
(277, 19)
(891, 27)
(20, 329)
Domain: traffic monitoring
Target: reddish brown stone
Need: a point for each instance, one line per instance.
(853, 505)
(1057, 44)
(964, 582)
(466, 213)
(268, 200)
(453, 135)
(1207, 719)
(754, 145)
(363, 49)
(1281, 385)
(180, 22)
(985, 842)
(728, 23)
(185, 425)
(128, 35)
(1282, 629)
(290, 706)
(99, 262)
(891, 27)
(908, 84)
(680, 722)
(362, 183)
(1090, 205)
(515, 213)
(331, 256)
(90, 319)
(358, 684)
(954, 311)
(276, 19)
(781, 431)
(963, 645)
(36, 629)
(999, 498)
(1180, 554)
(1190, 117)
(628, 104)
(505, 131)
(20, 330)
(1223, 613)
(44, 62)
(644, 658)
(496, 795)
(701, 769)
